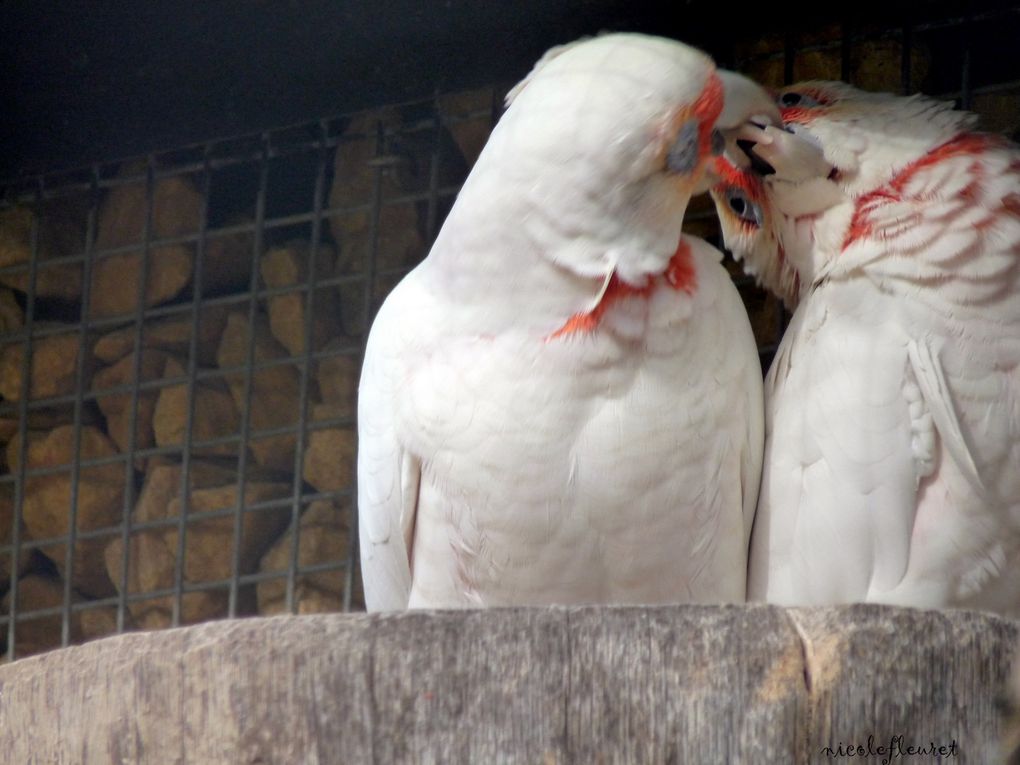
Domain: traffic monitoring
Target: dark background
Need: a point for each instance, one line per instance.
(85, 81)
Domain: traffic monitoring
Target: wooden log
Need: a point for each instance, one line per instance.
(556, 685)
(1011, 710)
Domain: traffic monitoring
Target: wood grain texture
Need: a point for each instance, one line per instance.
(560, 685)
(929, 676)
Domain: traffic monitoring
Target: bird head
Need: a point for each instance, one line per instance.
(857, 140)
(609, 137)
(834, 145)
(753, 229)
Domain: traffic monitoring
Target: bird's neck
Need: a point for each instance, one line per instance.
(521, 259)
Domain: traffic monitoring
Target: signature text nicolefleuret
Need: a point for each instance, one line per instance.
(895, 748)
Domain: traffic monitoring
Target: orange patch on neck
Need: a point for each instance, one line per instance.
(584, 323)
(679, 274)
(968, 144)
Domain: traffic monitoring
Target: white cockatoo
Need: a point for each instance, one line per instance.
(892, 458)
(562, 402)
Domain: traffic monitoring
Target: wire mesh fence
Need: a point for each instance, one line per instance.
(182, 336)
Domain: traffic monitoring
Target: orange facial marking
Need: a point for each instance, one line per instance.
(706, 110)
(731, 175)
(679, 274)
(802, 115)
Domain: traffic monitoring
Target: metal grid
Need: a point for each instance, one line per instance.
(275, 207)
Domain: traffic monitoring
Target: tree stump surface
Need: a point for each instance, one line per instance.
(677, 684)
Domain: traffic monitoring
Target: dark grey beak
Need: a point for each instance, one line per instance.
(758, 165)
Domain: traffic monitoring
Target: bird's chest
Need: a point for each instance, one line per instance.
(528, 414)
(548, 469)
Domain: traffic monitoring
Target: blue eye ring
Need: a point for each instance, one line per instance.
(685, 152)
(744, 207)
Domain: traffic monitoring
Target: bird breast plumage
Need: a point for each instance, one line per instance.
(557, 467)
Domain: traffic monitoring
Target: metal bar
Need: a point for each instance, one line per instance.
(79, 387)
(26, 390)
(20, 268)
(242, 157)
(166, 592)
(195, 516)
(179, 308)
(998, 87)
(308, 336)
(283, 221)
(238, 157)
(14, 198)
(313, 568)
(249, 380)
(189, 416)
(169, 382)
(296, 499)
(163, 451)
(136, 376)
(890, 33)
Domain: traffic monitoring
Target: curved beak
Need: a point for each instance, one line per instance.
(744, 100)
(747, 110)
(754, 137)
(789, 153)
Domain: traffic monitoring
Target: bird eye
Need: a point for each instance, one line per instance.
(744, 207)
(792, 98)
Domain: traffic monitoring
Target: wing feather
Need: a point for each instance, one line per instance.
(388, 473)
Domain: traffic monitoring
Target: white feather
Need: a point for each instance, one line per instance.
(892, 460)
(502, 462)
